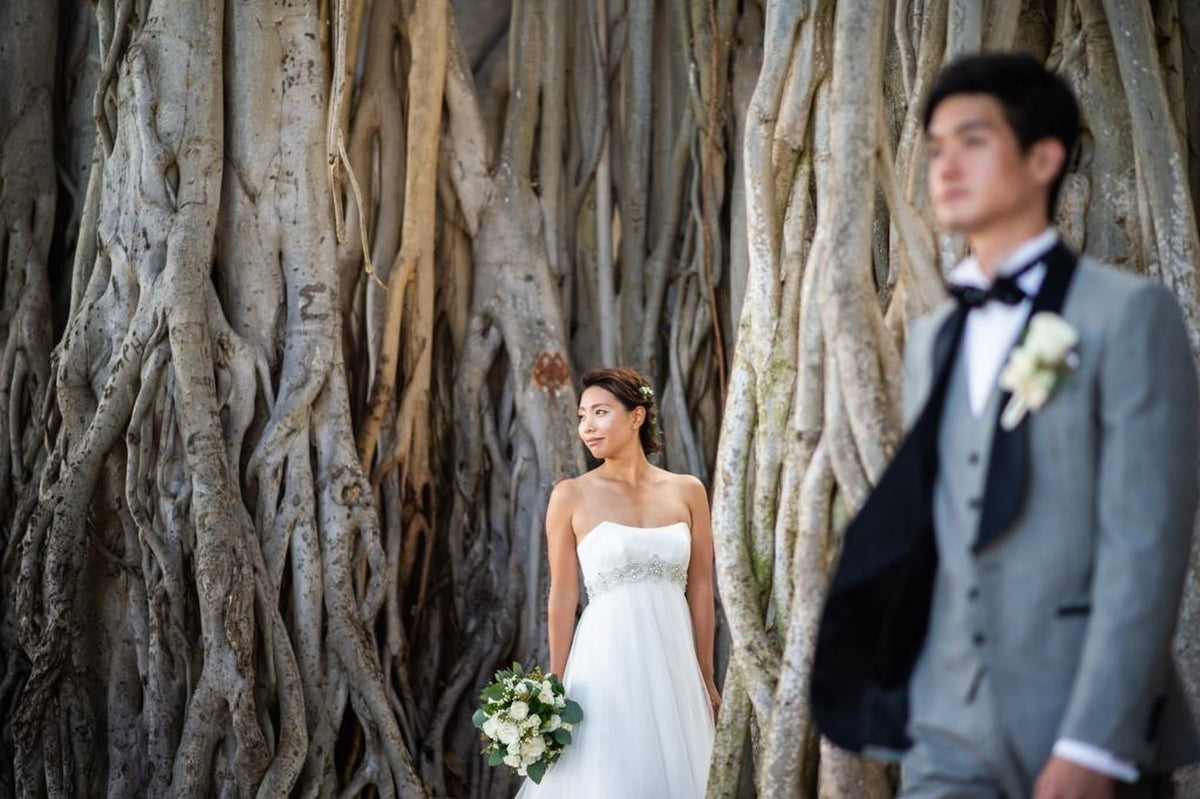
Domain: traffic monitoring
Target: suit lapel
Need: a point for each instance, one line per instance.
(1008, 466)
(945, 344)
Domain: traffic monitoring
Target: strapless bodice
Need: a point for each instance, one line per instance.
(614, 555)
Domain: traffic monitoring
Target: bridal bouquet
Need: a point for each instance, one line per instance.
(525, 720)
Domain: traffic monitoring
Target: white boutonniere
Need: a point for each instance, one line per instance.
(1037, 366)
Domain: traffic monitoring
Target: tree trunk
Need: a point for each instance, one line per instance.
(293, 296)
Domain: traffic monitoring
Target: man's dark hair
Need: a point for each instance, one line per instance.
(1037, 103)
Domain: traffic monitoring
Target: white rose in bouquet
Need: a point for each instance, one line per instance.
(534, 748)
(525, 721)
(491, 728)
(508, 732)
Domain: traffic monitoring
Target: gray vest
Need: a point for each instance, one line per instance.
(945, 688)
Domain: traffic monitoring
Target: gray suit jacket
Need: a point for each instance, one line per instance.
(1081, 594)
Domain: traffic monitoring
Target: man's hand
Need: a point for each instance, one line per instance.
(1062, 779)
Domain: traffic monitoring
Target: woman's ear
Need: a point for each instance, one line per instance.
(639, 417)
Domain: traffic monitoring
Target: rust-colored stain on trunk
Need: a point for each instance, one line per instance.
(550, 370)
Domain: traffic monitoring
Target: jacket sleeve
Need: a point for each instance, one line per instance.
(1146, 501)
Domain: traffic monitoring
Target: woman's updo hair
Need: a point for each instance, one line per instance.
(632, 390)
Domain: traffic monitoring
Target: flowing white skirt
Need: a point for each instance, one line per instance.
(647, 731)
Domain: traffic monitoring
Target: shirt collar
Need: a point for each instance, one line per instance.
(967, 272)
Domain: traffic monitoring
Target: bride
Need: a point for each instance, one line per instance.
(641, 659)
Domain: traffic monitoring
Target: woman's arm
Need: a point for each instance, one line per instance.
(700, 584)
(564, 573)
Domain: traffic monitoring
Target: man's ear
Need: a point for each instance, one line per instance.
(1046, 159)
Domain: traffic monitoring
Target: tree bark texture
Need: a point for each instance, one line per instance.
(294, 293)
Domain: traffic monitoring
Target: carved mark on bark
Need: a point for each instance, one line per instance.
(550, 371)
(308, 295)
(349, 488)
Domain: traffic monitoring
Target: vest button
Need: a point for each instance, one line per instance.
(975, 503)
(973, 593)
(973, 458)
(978, 639)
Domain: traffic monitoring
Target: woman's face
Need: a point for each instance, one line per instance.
(605, 425)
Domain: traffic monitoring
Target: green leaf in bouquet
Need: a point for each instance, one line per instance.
(479, 718)
(518, 669)
(493, 693)
(495, 757)
(572, 713)
(536, 771)
(562, 736)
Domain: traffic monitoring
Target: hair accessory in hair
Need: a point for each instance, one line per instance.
(646, 392)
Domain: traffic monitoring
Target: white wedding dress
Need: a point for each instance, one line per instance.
(647, 729)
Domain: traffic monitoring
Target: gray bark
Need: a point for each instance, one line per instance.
(291, 304)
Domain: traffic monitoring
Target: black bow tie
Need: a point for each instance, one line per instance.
(1003, 289)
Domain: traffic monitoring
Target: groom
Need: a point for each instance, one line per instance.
(1004, 605)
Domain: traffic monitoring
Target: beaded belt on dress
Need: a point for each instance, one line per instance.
(654, 568)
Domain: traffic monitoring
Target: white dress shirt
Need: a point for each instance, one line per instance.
(989, 335)
(992, 330)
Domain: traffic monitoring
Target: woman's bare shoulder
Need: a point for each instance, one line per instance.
(564, 495)
(685, 486)
(685, 482)
(568, 484)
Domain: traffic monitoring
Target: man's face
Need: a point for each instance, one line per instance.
(978, 175)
